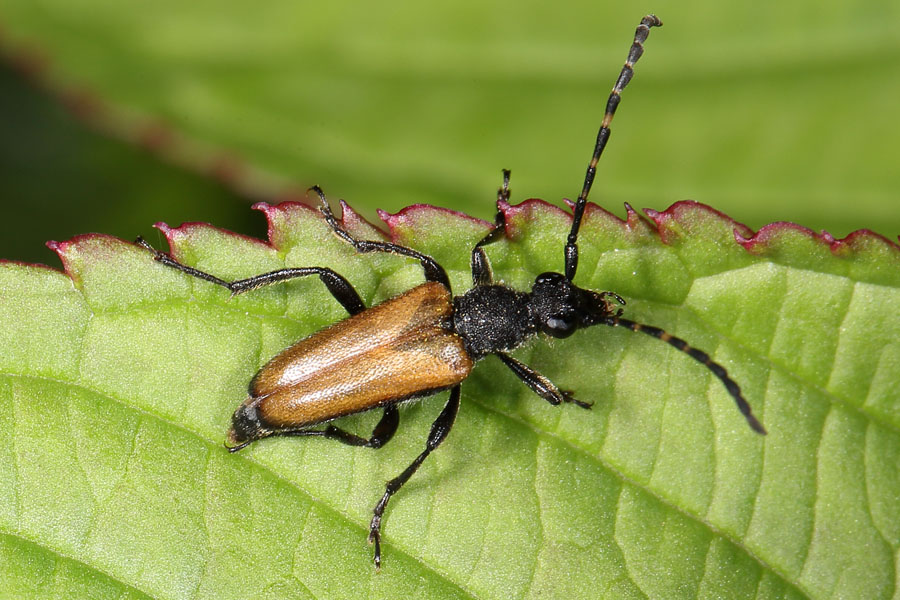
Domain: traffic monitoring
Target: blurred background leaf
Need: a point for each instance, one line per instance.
(783, 111)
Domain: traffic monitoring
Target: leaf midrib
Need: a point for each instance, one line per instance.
(74, 559)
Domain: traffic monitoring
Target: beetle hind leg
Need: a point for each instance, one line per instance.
(381, 435)
(339, 287)
(439, 430)
(167, 260)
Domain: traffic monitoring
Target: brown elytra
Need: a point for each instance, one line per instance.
(399, 349)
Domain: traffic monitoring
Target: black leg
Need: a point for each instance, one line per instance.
(433, 271)
(700, 356)
(481, 266)
(637, 48)
(539, 384)
(439, 430)
(381, 435)
(339, 287)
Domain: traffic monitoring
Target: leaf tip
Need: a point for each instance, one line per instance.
(670, 222)
(172, 235)
(263, 207)
(281, 218)
(391, 220)
(357, 224)
(164, 227)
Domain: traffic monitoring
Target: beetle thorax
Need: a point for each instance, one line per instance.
(492, 318)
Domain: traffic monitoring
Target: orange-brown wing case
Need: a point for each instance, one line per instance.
(398, 349)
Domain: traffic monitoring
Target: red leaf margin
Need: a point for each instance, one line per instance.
(670, 227)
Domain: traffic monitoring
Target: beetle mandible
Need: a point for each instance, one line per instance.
(426, 340)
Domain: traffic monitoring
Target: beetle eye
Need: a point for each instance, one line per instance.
(560, 326)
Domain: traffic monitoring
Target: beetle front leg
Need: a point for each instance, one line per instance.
(439, 430)
(539, 384)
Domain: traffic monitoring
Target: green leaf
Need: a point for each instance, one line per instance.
(117, 383)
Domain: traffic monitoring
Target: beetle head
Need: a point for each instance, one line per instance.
(560, 307)
(245, 426)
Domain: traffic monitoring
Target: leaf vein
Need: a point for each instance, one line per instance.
(649, 491)
(815, 507)
(311, 499)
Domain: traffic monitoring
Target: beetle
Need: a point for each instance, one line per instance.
(426, 340)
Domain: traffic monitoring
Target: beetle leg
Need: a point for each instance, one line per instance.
(171, 262)
(339, 287)
(439, 430)
(539, 384)
(433, 271)
(481, 266)
(381, 435)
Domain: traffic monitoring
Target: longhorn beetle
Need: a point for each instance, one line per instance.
(426, 340)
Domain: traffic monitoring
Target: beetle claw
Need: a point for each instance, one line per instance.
(569, 396)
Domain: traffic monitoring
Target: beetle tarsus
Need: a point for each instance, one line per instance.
(539, 384)
(568, 396)
(375, 538)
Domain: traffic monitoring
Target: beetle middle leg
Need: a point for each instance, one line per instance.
(481, 266)
(381, 435)
(339, 287)
(433, 271)
(439, 430)
(539, 384)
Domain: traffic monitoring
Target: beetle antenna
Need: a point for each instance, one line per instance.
(637, 49)
(503, 192)
(700, 356)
